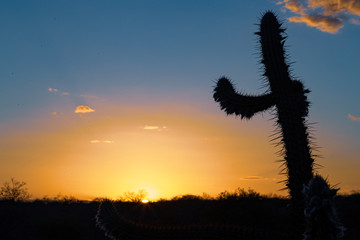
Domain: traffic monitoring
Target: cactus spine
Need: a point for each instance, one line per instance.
(287, 95)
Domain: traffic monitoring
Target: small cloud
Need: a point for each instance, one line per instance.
(257, 178)
(149, 127)
(53, 90)
(328, 24)
(253, 178)
(325, 15)
(355, 21)
(353, 118)
(105, 141)
(84, 109)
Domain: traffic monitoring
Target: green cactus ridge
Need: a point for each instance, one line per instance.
(289, 98)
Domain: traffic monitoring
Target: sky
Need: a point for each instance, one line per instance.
(99, 98)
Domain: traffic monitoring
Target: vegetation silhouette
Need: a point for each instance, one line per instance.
(230, 215)
(14, 191)
(134, 197)
(58, 218)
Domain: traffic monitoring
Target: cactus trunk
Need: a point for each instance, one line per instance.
(292, 107)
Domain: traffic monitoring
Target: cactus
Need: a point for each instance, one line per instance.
(289, 98)
(320, 212)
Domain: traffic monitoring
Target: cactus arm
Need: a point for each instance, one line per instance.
(238, 104)
(117, 227)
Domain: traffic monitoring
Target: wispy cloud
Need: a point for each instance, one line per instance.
(104, 141)
(55, 90)
(150, 127)
(353, 118)
(84, 109)
(325, 15)
(256, 178)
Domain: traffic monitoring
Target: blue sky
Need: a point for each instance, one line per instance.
(160, 54)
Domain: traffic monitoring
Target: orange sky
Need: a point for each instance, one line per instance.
(170, 150)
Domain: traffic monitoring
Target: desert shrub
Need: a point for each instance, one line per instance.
(133, 196)
(239, 193)
(14, 191)
(186, 197)
(100, 199)
(66, 199)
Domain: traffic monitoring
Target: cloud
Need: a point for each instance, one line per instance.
(355, 21)
(84, 109)
(98, 141)
(253, 178)
(149, 127)
(53, 90)
(256, 178)
(325, 15)
(323, 23)
(353, 118)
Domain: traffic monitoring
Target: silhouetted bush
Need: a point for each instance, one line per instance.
(14, 191)
(239, 193)
(186, 197)
(133, 196)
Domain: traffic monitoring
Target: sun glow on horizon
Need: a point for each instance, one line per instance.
(108, 156)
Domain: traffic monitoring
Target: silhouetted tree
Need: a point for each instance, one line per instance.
(14, 191)
(134, 197)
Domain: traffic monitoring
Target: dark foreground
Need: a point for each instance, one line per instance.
(76, 220)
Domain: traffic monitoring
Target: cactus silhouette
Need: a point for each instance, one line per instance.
(320, 212)
(289, 98)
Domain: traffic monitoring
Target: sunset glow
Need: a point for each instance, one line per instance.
(99, 99)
